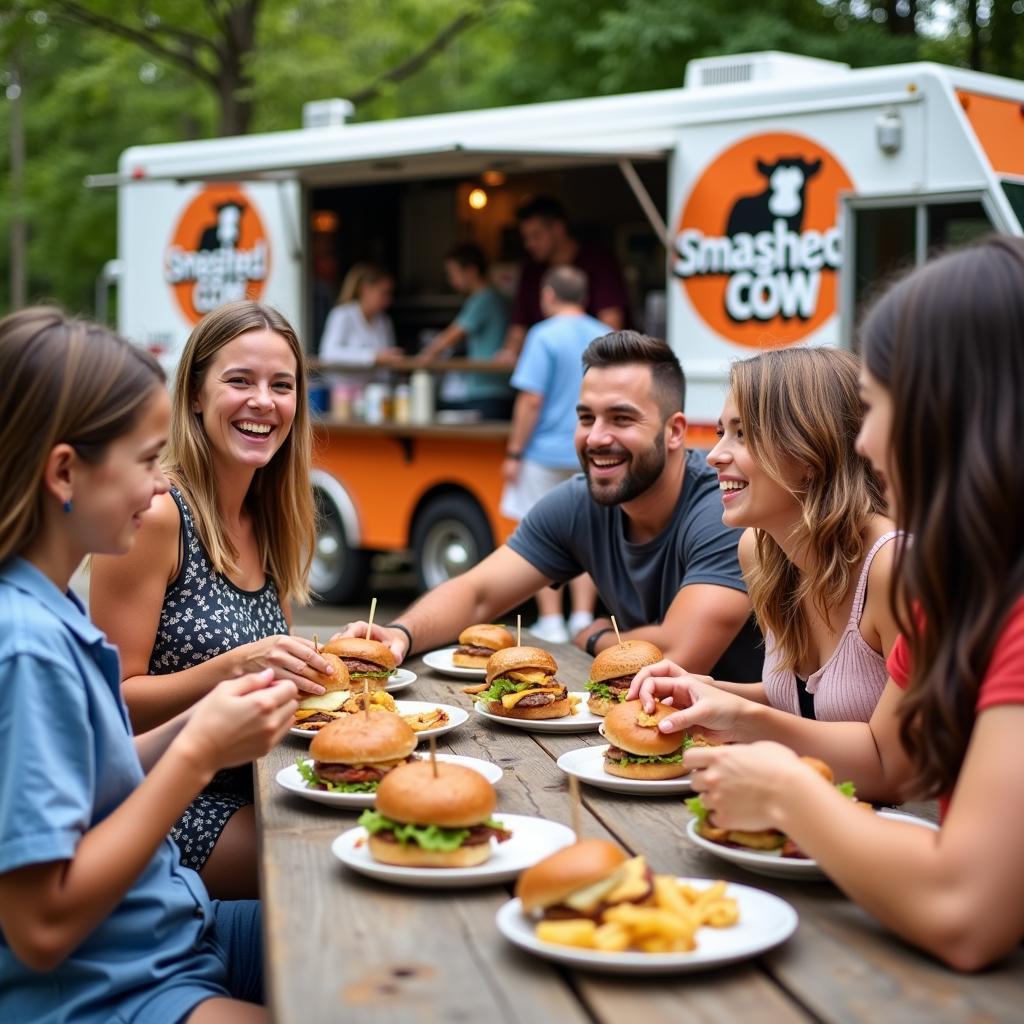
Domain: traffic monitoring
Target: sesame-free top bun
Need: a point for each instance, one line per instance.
(623, 729)
(574, 867)
(356, 739)
(331, 683)
(512, 658)
(364, 650)
(486, 635)
(820, 767)
(625, 659)
(457, 798)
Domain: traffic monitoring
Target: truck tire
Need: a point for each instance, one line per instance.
(451, 534)
(339, 572)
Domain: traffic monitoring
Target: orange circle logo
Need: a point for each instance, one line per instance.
(757, 245)
(220, 252)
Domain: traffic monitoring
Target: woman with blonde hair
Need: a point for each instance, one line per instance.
(817, 552)
(99, 921)
(205, 592)
(358, 329)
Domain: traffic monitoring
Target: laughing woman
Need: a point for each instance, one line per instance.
(205, 592)
(99, 921)
(942, 379)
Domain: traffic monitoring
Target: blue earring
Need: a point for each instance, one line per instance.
(67, 507)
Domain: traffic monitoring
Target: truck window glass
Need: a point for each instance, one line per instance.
(1015, 193)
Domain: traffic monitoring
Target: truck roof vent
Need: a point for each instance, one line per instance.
(332, 113)
(768, 66)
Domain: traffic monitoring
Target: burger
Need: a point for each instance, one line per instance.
(767, 840)
(433, 815)
(364, 659)
(612, 673)
(478, 643)
(352, 754)
(637, 750)
(316, 711)
(521, 683)
(584, 880)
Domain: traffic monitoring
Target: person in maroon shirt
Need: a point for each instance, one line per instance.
(548, 241)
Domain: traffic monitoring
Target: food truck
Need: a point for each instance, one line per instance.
(753, 207)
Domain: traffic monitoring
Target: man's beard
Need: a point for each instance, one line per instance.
(641, 472)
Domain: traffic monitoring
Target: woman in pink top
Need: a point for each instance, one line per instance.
(942, 382)
(817, 552)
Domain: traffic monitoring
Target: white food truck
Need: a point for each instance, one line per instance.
(753, 207)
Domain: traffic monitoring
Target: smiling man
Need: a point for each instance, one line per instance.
(644, 519)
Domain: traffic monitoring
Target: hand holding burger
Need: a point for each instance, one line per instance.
(364, 659)
(638, 749)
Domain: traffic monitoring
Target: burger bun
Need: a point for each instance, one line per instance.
(511, 659)
(356, 739)
(625, 659)
(578, 866)
(630, 728)
(457, 797)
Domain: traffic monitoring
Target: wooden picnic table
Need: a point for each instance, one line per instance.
(340, 947)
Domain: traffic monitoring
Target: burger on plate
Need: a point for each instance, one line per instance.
(364, 659)
(637, 750)
(316, 711)
(521, 683)
(584, 880)
(478, 643)
(427, 820)
(767, 840)
(612, 672)
(352, 754)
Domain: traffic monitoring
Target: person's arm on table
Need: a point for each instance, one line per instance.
(958, 893)
(48, 909)
(446, 339)
(126, 595)
(501, 581)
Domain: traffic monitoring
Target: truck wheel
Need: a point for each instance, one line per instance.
(449, 536)
(339, 572)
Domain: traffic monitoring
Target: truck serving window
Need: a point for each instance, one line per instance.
(1015, 193)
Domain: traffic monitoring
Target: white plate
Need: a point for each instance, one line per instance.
(532, 840)
(290, 779)
(587, 764)
(583, 721)
(456, 717)
(401, 680)
(765, 921)
(441, 661)
(772, 864)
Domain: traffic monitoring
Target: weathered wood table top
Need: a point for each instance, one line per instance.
(340, 947)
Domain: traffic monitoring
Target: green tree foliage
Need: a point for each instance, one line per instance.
(101, 75)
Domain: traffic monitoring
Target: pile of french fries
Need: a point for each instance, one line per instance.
(668, 926)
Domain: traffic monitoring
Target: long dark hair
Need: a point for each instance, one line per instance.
(948, 343)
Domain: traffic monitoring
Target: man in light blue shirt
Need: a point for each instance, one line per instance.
(541, 448)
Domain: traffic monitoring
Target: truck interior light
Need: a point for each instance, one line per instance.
(478, 199)
(494, 178)
(325, 221)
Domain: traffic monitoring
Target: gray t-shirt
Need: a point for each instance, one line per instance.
(567, 533)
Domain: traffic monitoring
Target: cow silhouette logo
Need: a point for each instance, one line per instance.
(219, 252)
(757, 246)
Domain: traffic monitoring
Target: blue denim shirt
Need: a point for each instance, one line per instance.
(67, 761)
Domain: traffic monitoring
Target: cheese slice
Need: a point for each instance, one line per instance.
(325, 701)
(633, 884)
(510, 700)
(528, 675)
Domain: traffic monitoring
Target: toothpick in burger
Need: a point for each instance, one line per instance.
(364, 659)
(584, 880)
(427, 820)
(521, 683)
(478, 643)
(612, 673)
(316, 710)
(637, 749)
(353, 754)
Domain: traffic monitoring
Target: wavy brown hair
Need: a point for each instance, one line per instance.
(947, 342)
(280, 498)
(801, 407)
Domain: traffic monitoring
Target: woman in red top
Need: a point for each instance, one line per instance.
(942, 383)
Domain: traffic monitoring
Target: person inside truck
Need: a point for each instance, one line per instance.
(99, 920)
(544, 229)
(541, 452)
(205, 592)
(941, 381)
(481, 325)
(358, 329)
(644, 519)
(818, 549)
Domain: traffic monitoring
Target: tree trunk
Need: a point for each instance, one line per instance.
(234, 83)
(899, 17)
(1005, 30)
(974, 57)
